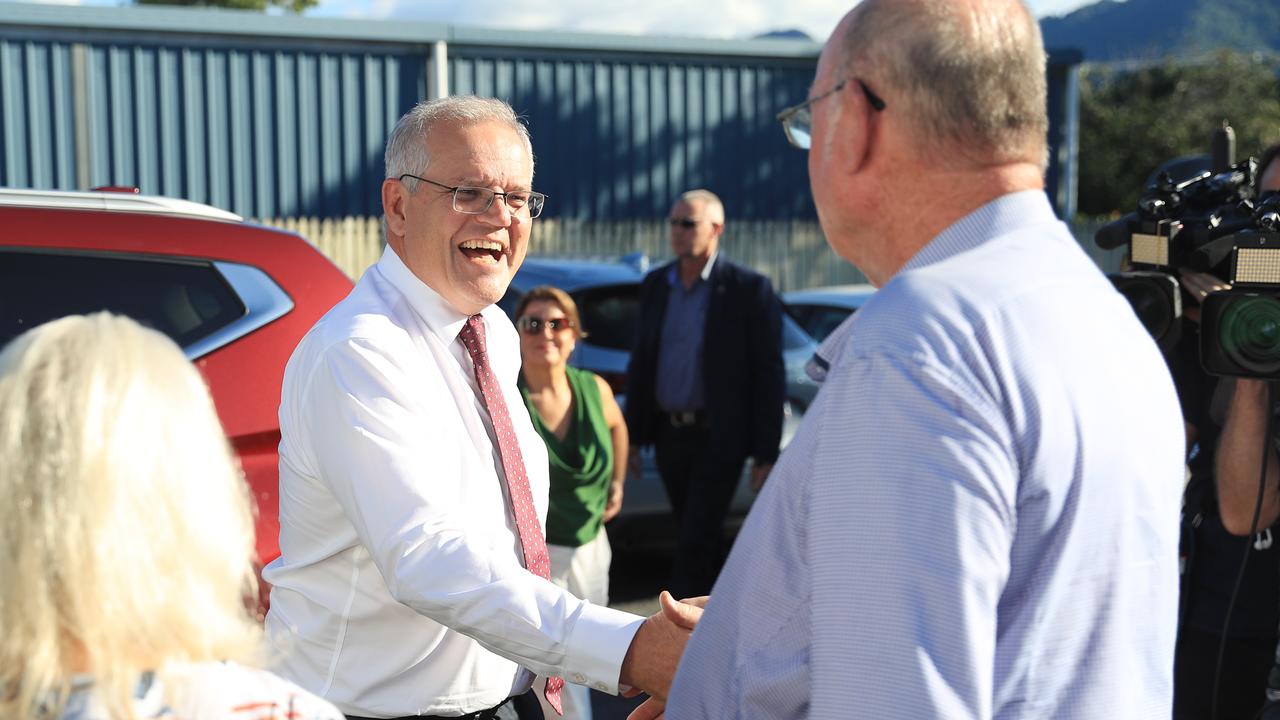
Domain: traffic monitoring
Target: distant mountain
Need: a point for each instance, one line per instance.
(784, 35)
(1151, 29)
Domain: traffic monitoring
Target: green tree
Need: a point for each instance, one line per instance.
(1133, 121)
(296, 6)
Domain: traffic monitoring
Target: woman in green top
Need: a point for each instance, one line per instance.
(586, 439)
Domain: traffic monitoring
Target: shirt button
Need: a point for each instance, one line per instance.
(579, 678)
(602, 687)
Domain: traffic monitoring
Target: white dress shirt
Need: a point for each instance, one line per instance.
(400, 588)
(978, 517)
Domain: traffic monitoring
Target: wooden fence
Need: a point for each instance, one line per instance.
(794, 254)
(352, 243)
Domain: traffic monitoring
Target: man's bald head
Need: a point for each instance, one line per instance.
(969, 75)
(706, 201)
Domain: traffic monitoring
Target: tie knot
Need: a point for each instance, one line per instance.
(472, 336)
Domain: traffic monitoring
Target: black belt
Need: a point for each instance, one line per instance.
(685, 418)
(486, 714)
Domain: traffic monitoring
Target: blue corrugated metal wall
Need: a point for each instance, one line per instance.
(619, 137)
(284, 119)
(265, 133)
(36, 132)
(260, 131)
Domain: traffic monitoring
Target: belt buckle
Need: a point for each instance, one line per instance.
(684, 418)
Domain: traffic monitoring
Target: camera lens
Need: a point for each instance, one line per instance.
(1152, 306)
(1249, 332)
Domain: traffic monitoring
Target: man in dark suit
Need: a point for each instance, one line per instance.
(706, 383)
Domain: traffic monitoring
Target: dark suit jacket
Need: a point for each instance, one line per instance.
(743, 378)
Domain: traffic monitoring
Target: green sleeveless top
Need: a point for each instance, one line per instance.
(581, 464)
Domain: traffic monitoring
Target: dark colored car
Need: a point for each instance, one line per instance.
(236, 297)
(820, 310)
(607, 294)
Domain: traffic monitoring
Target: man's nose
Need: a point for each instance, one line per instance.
(498, 213)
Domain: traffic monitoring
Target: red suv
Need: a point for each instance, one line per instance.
(236, 297)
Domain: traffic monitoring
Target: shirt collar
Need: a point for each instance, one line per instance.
(706, 269)
(1003, 215)
(441, 319)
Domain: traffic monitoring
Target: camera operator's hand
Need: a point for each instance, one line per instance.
(1239, 460)
(1198, 285)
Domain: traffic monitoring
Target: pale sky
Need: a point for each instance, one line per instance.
(705, 18)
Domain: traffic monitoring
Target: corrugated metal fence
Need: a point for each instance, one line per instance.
(259, 132)
(271, 116)
(285, 116)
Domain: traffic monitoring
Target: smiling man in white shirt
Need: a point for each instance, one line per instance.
(412, 499)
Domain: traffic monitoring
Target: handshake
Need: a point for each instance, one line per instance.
(651, 661)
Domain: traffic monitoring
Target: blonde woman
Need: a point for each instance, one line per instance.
(126, 537)
(575, 413)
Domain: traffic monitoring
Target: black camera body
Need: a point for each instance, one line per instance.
(1209, 223)
(1240, 327)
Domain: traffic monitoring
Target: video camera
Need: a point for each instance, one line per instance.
(1209, 223)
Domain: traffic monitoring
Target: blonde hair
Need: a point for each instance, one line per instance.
(126, 534)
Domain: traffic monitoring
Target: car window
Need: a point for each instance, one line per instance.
(793, 336)
(609, 315)
(800, 313)
(823, 320)
(184, 299)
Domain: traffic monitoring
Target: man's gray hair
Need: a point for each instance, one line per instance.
(708, 201)
(972, 75)
(407, 146)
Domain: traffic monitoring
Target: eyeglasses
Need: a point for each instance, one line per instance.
(470, 200)
(683, 222)
(533, 325)
(797, 120)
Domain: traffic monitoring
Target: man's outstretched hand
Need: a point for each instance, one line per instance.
(652, 660)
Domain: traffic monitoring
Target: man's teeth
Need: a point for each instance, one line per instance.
(490, 245)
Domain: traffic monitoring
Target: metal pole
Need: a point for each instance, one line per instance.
(440, 69)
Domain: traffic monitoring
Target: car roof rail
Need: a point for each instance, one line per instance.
(113, 201)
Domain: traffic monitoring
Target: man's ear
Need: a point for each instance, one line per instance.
(395, 199)
(854, 133)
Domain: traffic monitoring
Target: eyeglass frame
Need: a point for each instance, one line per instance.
(532, 326)
(785, 117)
(493, 194)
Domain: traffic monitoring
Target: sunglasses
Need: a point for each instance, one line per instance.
(685, 222)
(533, 325)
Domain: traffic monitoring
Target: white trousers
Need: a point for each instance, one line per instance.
(583, 571)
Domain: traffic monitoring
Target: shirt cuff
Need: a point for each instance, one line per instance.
(597, 646)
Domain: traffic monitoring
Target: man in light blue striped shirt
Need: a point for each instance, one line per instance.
(979, 515)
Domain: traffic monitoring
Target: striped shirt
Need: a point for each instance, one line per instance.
(978, 517)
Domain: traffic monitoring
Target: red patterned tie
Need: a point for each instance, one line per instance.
(535, 546)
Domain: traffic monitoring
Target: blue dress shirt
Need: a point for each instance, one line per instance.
(978, 517)
(678, 383)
